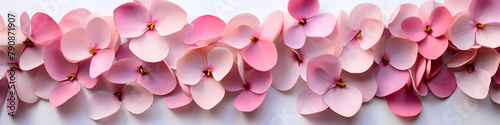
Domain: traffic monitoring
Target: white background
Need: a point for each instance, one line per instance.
(277, 108)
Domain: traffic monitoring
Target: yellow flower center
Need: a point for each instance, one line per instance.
(385, 60)
(480, 25)
(28, 42)
(340, 84)
(208, 72)
(297, 56)
(16, 67)
(92, 51)
(470, 68)
(143, 71)
(358, 35)
(254, 38)
(118, 95)
(428, 30)
(302, 22)
(151, 26)
(71, 77)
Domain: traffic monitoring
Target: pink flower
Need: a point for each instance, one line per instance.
(24, 79)
(293, 62)
(457, 6)
(81, 44)
(146, 27)
(157, 77)
(39, 31)
(357, 33)
(428, 29)
(77, 18)
(254, 84)
(475, 68)
(179, 97)
(255, 42)
(428, 73)
(479, 25)
(343, 92)
(303, 22)
(203, 69)
(404, 102)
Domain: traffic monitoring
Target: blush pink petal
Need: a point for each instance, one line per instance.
(404, 103)
(286, 71)
(99, 33)
(43, 83)
(344, 101)
(320, 25)
(4, 86)
(246, 19)
(487, 59)
(101, 62)
(413, 28)
(300, 9)
(75, 45)
(355, 59)
(461, 58)
(404, 11)
(401, 53)
(261, 55)
(361, 11)
(57, 66)
(495, 93)
(294, 36)
(309, 102)
(207, 93)
(177, 98)
(259, 81)
(433, 47)
(485, 11)
(443, 84)
(24, 86)
(463, 32)
(271, 26)
(25, 25)
(371, 30)
(102, 105)
(365, 82)
(136, 98)
(131, 19)
(177, 46)
(3, 68)
(170, 17)
(74, 19)
(146, 3)
(83, 74)
(345, 33)
(63, 92)
(314, 46)
(220, 60)
(390, 80)
(160, 79)
(206, 27)
(150, 47)
(488, 36)
(248, 101)
(322, 71)
(475, 84)
(123, 71)
(190, 68)
(457, 6)
(439, 21)
(239, 37)
(233, 81)
(426, 9)
(44, 29)
(32, 57)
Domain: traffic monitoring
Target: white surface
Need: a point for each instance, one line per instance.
(277, 108)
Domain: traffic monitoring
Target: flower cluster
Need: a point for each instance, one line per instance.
(147, 48)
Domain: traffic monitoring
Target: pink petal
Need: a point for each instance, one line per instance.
(83, 74)
(206, 27)
(248, 101)
(131, 19)
(286, 71)
(239, 37)
(170, 17)
(32, 57)
(63, 92)
(259, 81)
(488, 36)
(101, 62)
(463, 32)
(320, 25)
(272, 26)
(309, 102)
(361, 11)
(102, 105)
(25, 24)
(160, 79)
(58, 67)
(124, 52)
(314, 46)
(461, 58)
(177, 47)
(345, 33)
(233, 81)
(99, 33)
(457, 6)
(413, 28)
(404, 103)
(24, 86)
(150, 47)
(136, 98)
(74, 19)
(401, 53)
(322, 71)
(146, 3)
(220, 60)
(261, 55)
(427, 8)
(484, 10)
(177, 98)
(495, 93)
(439, 21)
(75, 45)
(404, 11)
(44, 29)
(4, 86)
(487, 59)
(43, 83)
(389, 80)
(417, 72)
(344, 101)
(294, 36)
(474, 84)
(190, 68)
(124, 71)
(435, 66)
(207, 93)
(443, 84)
(246, 19)
(16, 101)
(3, 68)
(303, 9)
(433, 47)
(365, 82)
(371, 30)
(355, 59)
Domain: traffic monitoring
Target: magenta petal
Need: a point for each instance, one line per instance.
(371, 30)
(75, 45)
(271, 26)
(101, 62)
(207, 93)
(131, 19)
(58, 67)
(413, 28)
(160, 79)
(401, 53)
(177, 98)
(344, 101)
(102, 105)
(261, 55)
(63, 92)
(433, 47)
(390, 80)
(123, 71)
(443, 84)
(439, 21)
(136, 98)
(463, 31)
(248, 101)
(150, 47)
(355, 59)
(309, 102)
(474, 84)
(24, 86)
(43, 83)
(488, 36)
(44, 29)
(294, 36)
(99, 33)
(190, 68)
(320, 25)
(303, 9)
(220, 60)
(170, 17)
(259, 81)
(32, 57)
(404, 103)
(322, 71)
(206, 27)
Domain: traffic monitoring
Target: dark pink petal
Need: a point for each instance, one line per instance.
(286, 71)
(435, 66)
(320, 25)
(461, 58)
(294, 36)
(177, 98)
(190, 68)
(443, 84)
(169, 17)
(124, 71)
(371, 30)
(102, 105)
(474, 84)
(463, 32)
(361, 11)
(101, 62)
(160, 79)
(43, 83)
(220, 61)
(365, 82)
(303, 9)
(261, 55)
(99, 33)
(344, 101)
(401, 53)
(150, 47)
(248, 101)
(136, 98)
(63, 92)
(309, 102)
(259, 81)
(487, 59)
(484, 11)
(83, 75)
(32, 57)
(404, 103)
(433, 47)
(24, 82)
(488, 36)
(206, 27)
(57, 66)
(355, 59)
(75, 45)
(271, 26)
(131, 19)
(439, 21)
(322, 73)
(44, 29)
(207, 93)
(390, 80)
(413, 28)
(402, 12)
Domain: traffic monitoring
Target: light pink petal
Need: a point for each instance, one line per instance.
(74, 19)
(303, 9)
(177, 98)
(344, 101)
(461, 58)
(160, 79)
(136, 98)
(123, 71)
(44, 29)
(4, 87)
(207, 93)
(261, 55)
(355, 59)
(239, 37)
(259, 81)
(365, 82)
(248, 101)
(63, 92)
(101, 62)
(16, 101)
(233, 81)
(433, 47)
(404, 11)
(75, 45)
(463, 32)
(4, 59)
(220, 60)
(320, 25)
(271, 26)
(146, 3)
(404, 103)
(443, 84)
(495, 93)
(32, 57)
(439, 21)
(314, 46)
(43, 83)
(390, 80)
(206, 27)
(246, 19)
(345, 33)
(401, 53)
(417, 72)
(286, 71)
(309, 102)
(177, 47)
(371, 31)
(190, 68)
(124, 52)
(131, 19)
(102, 105)
(99, 33)
(322, 73)
(294, 36)
(487, 59)
(24, 82)
(413, 28)
(488, 36)
(150, 47)
(474, 84)
(58, 67)
(484, 10)
(2, 25)
(361, 11)
(170, 17)
(427, 8)
(25, 24)
(83, 75)
(457, 6)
